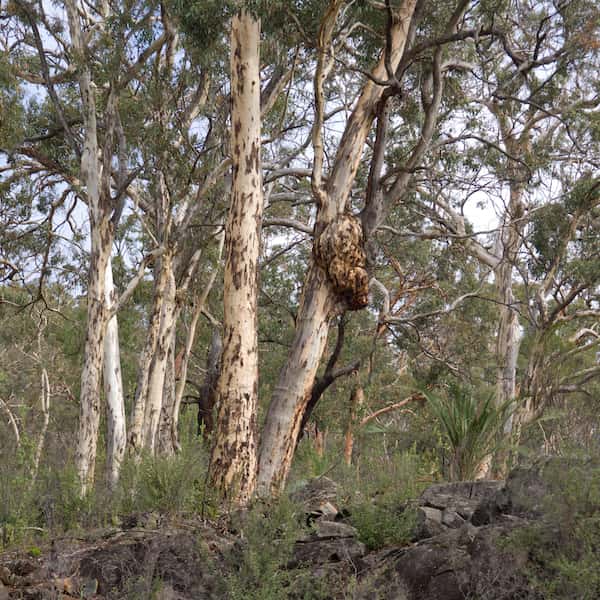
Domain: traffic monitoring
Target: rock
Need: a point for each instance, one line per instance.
(461, 563)
(461, 497)
(331, 529)
(462, 549)
(318, 498)
(88, 588)
(452, 519)
(327, 542)
(429, 522)
(6, 577)
(530, 492)
(486, 512)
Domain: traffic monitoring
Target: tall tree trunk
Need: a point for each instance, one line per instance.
(45, 403)
(508, 340)
(213, 365)
(156, 381)
(167, 442)
(208, 396)
(232, 469)
(91, 374)
(97, 184)
(137, 422)
(291, 395)
(113, 389)
(356, 402)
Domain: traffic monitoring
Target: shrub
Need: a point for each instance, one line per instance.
(377, 494)
(255, 566)
(564, 549)
(382, 524)
(165, 484)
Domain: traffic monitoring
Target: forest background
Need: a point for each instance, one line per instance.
(402, 339)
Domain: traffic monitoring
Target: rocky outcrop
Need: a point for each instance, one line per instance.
(464, 546)
(167, 563)
(451, 505)
(462, 549)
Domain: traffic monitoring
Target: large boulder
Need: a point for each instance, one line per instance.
(469, 562)
(466, 543)
(171, 563)
(327, 542)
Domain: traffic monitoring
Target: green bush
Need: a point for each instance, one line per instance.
(166, 484)
(255, 565)
(381, 524)
(377, 495)
(59, 503)
(564, 548)
(52, 503)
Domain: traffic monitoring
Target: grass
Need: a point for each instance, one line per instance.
(51, 505)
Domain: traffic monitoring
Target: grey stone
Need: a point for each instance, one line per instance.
(318, 551)
(429, 522)
(452, 519)
(318, 498)
(461, 497)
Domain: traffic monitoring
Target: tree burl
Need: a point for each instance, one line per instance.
(339, 250)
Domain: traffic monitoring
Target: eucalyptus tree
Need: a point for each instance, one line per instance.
(186, 157)
(410, 39)
(413, 48)
(517, 104)
(233, 460)
(83, 60)
(562, 294)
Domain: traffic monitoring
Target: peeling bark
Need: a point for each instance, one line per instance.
(356, 402)
(91, 374)
(167, 438)
(97, 189)
(136, 424)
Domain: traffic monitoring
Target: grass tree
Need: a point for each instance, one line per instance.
(470, 428)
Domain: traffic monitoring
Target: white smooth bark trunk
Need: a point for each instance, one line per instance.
(156, 381)
(101, 235)
(509, 339)
(113, 389)
(13, 423)
(233, 463)
(91, 374)
(180, 386)
(45, 406)
(136, 425)
(292, 393)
